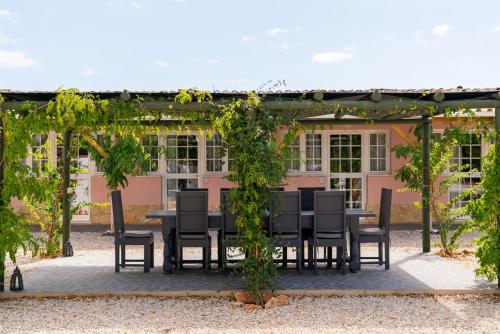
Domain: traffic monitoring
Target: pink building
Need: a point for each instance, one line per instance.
(356, 157)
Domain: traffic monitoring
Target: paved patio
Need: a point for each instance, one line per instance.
(93, 271)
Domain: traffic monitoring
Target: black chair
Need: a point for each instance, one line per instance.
(194, 189)
(307, 197)
(379, 234)
(192, 225)
(285, 223)
(124, 238)
(229, 230)
(307, 204)
(330, 225)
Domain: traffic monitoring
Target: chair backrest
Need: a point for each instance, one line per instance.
(117, 206)
(307, 197)
(192, 212)
(228, 218)
(329, 211)
(285, 212)
(385, 209)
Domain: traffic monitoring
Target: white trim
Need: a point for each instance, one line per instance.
(387, 152)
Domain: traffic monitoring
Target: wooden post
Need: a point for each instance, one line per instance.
(426, 194)
(66, 183)
(2, 252)
(497, 159)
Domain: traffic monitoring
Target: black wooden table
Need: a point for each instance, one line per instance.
(168, 218)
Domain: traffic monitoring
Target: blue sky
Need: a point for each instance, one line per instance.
(170, 44)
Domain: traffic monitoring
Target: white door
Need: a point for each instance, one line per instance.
(82, 188)
(346, 170)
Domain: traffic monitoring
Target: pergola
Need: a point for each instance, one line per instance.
(416, 106)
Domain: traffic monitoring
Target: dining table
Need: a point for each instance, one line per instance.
(168, 219)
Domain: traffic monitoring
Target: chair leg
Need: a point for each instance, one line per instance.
(309, 255)
(181, 258)
(387, 264)
(315, 249)
(203, 258)
(117, 258)
(380, 261)
(344, 262)
(329, 257)
(152, 255)
(285, 257)
(178, 259)
(223, 258)
(219, 250)
(146, 258)
(123, 256)
(207, 258)
(299, 259)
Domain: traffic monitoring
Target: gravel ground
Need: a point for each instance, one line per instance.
(196, 315)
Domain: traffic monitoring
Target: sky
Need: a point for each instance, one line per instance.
(241, 45)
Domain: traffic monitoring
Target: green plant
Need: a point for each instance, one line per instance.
(260, 164)
(485, 214)
(443, 175)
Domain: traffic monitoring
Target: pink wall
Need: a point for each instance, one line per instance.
(141, 190)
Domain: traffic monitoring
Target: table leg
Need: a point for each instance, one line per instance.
(354, 265)
(167, 249)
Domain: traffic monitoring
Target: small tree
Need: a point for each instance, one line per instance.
(443, 175)
(485, 214)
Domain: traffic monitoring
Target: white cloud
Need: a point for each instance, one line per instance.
(419, 39)
(4, 38)
(15, 59)
(441, 29)
(161, 63)
(284, 46)
(281, 31)
(246, 39)
(331, 57)
(6, 14)
(496, 28)
(136, 5)
(213, 61)
(278, 31)
(90, 72)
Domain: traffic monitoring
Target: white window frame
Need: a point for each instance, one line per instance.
(199, 175)
(161, 160)
(303, 149)
(363, 174)
(202, 146)
(387, 152)
(484, 148)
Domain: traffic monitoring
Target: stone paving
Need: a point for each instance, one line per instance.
(94, 271)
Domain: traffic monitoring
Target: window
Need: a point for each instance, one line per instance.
(467, 155)
(346, 171)
(313, 153)
(215, 154)
(345, 153)
(353, 189)
(182, 154)
(39, 151)
(378, 158)
(150, 144)
(174, 185)
(294, 165)
(182, 166)
(100, 139)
